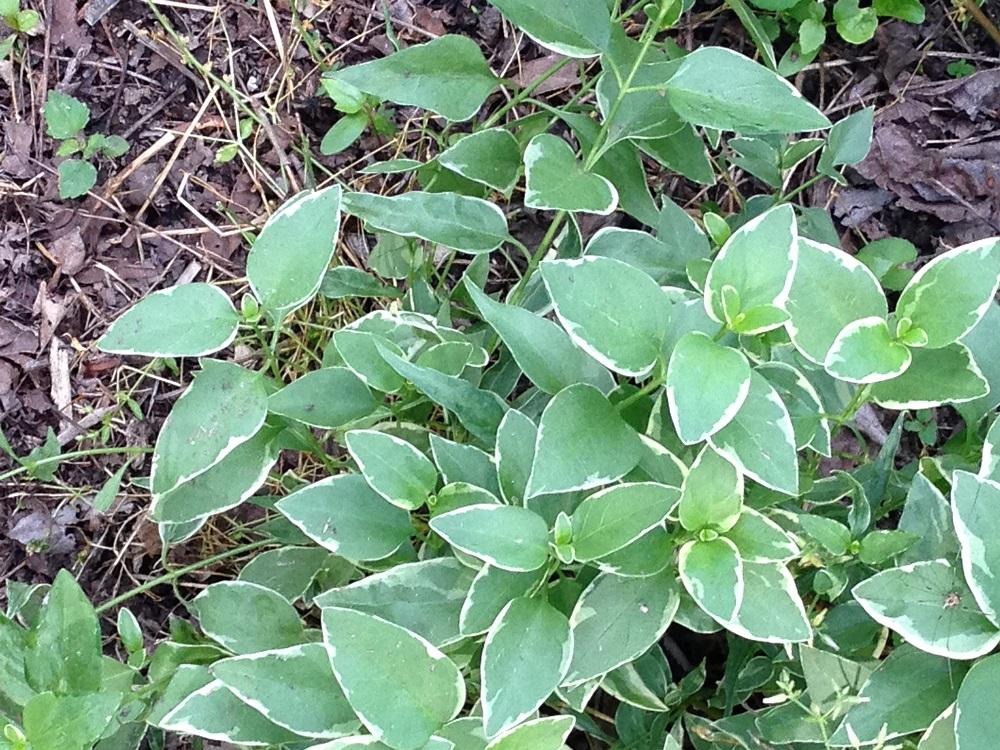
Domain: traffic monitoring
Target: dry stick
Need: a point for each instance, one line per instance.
(982, 19)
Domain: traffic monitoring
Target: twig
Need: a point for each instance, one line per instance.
(982, 19)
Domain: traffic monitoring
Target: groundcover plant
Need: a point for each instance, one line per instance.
(522, 501)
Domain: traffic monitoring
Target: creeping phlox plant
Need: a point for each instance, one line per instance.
(531, 497)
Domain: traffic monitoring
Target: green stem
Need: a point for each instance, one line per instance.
(804, 186)
(70, 456)
(647, 389)
(174, 575)
(543, 247)
(648, 34)
(524, 93)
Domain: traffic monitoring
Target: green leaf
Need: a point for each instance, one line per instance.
(470, 225)
(985, 350)
(712, 493)
(529, 646)
(515, 453)
(491, 591)
(541, 348)
(344, 515)
(617, 619)
(225, 485)
(557, 181)
(286, 264)
(504, 536)
(832, 535)
(76, 177)
(548, 733)
(949, 295)
(771, 610)
(115, 146)
(848, 141)
(660, 259)
(975, 502)
(448, 76)
(14, 688)
(582, 443)
(760, 439)
(707, 384)
(343, 133)
(64, 649)
(722, 89)
(881, 545)
(935, 376)
(215, 713)
(401, 687)
(68, 722)
(162, 324)
(290, 571)
(640, 114)
(645, 683)
(588, 295)
(345, 282)
(359, 351)
(293, 687)
(391, 166)
(977, 706)
(424, 597)
(930, 605)
(830, 290)
(761, 540)
(906, 10)
(65, 116)
(246, 618)
(712, 573)
(574, 28)
(223, 408)
(460, 462)
(328, 398)
(491, 157)
(393, 467)
(866, 352)
(854, 24)
(613, 518)
(928, 515)
(108, 493)
(905, 694)
(758, 262)
(479, 411)
(804, 406)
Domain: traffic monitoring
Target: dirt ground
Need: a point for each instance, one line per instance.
(179, 80)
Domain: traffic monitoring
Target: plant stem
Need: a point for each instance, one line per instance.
(70, 456)
(524, 93)
(804, 186)
(543, 247)
(648, 34)
(174, 575)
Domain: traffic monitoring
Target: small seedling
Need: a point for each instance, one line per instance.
(65, 119)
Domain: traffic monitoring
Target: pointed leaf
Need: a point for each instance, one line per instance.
(504, 536)
(327, 398)
(615, 517)
(975, 504)
(529, 646)
(722, 89)
(470, 225)
(582, 443)
(588, 295)
(491, 591)
(557, 181)
(760, 439)
(949, 295)
(346, 516)
(771, 610)
(393, 467)
(575, 28)
(293, 687)
(492, 157)
(286, 264)
(162, 324)
(707, 384)
(223, 408)
(449, 76)
(246, 618)
(541, 348)
(947, 375)
(401, 687)
(930, 605)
